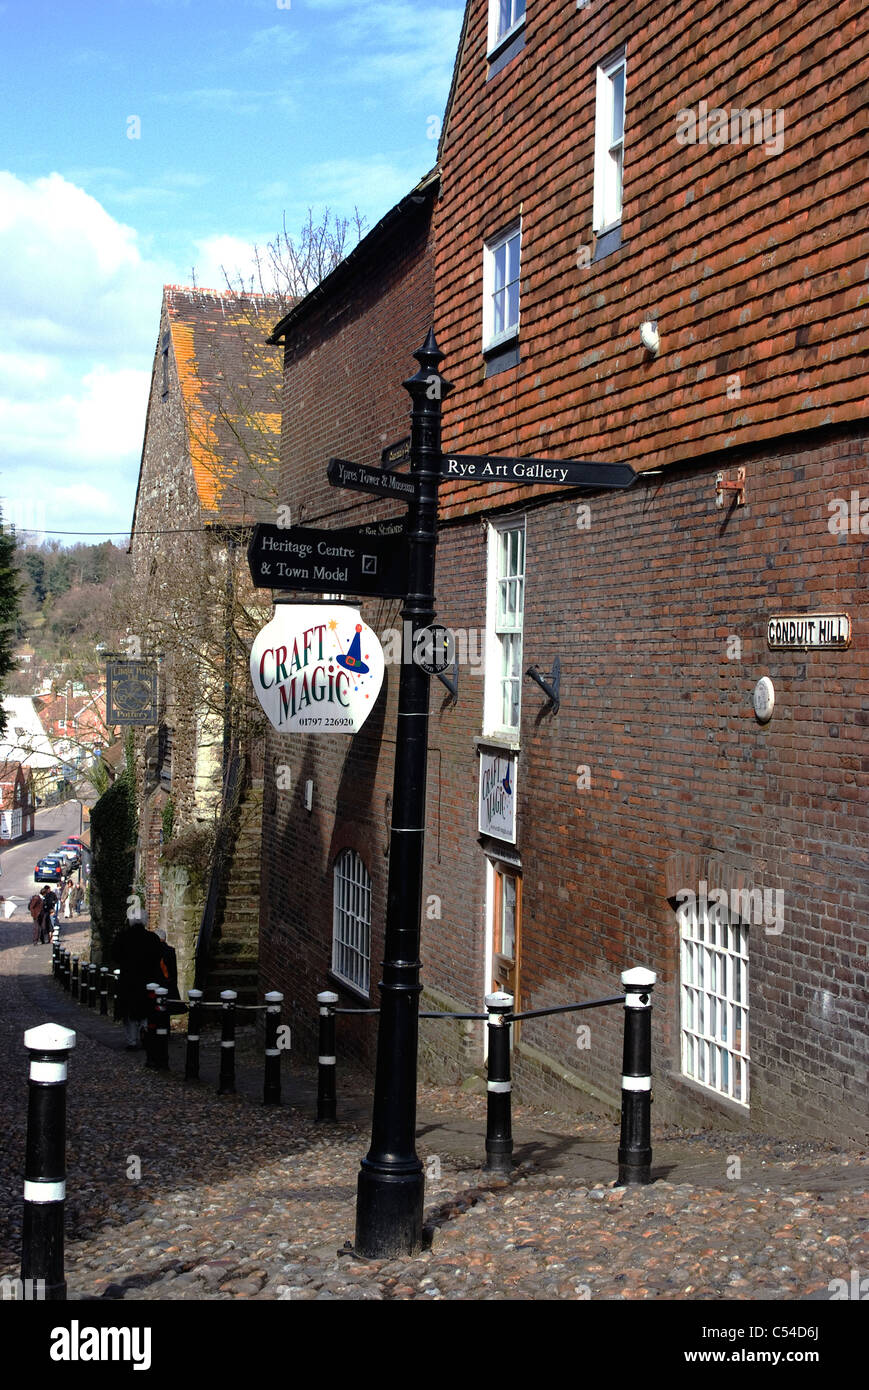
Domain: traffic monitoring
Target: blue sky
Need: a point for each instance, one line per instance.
(142, 138)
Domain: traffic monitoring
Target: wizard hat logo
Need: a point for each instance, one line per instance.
(353, 660)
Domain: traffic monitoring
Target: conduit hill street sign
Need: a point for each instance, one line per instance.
(481, 468)
(361, 478)
(807, 630)
(351, 561)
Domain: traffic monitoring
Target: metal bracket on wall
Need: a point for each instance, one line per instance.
(450, 678)
(737, 487)
(551, 684)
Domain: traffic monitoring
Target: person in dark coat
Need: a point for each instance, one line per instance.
(168, 967)
(50, 901)
(136, 951)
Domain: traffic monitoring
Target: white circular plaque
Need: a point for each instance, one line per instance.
(763, 699)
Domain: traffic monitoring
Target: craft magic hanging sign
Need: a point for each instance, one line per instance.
(317, 668)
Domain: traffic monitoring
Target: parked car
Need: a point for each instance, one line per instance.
(50, 870)
(70, 853)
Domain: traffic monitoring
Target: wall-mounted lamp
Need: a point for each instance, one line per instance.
(550, 685)
(649, 337)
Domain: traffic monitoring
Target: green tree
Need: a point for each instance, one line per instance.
(9, 607)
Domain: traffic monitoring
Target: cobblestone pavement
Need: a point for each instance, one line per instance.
(176, 1193)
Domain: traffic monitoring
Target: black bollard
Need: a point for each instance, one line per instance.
(73, 977)
(116, 991)
(161, 1029)
(635, 1146)
(104, 989)
(93, 985)
(42, 1273)
(499, 1134)
(226, 1083)
(194, 1027)
(67, 971)
(55, 957)
(326, 1060)
(272, 1082)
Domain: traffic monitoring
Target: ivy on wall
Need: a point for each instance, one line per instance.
(114, 828)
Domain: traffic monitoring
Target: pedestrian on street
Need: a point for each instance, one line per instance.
(66, 899)
(49, 906)
(78, 904)
(136, 951)
(36, 907)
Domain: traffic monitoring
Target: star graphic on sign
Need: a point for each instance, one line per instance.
(332, 625)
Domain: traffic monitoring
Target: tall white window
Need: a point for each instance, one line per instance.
(505, 18)
(609, 136)
(714, 988)
(505, 607)
(501, 287)
(351, 921)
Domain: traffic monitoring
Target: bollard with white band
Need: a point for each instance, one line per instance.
(272, 1083)
(499, 1135)
(226, 1083)
(104, 989)
(49, 1046)
(116, 988)
(635, 1146)
(194, 1030)
(160, 1055)
(326, 1101)
(67, 971)
(74, 978)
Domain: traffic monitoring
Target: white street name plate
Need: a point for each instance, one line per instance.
(808, 630)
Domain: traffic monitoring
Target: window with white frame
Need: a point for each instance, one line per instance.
(501, 287)
(714, 989)
(609, 137)
(504, 614)
(506, 18)
(351, 921)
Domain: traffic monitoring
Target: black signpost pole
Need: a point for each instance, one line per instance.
(391, 1183)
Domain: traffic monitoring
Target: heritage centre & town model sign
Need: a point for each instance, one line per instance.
(350, 561)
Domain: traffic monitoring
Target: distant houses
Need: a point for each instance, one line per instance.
(17, 803)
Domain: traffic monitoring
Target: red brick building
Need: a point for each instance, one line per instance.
(648, 250)
(17, 803)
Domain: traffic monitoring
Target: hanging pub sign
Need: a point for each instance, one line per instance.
(804, 631)
(497, 810)
(317, 669)
(131, 692)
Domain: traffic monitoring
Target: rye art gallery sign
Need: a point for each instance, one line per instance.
(317, 668)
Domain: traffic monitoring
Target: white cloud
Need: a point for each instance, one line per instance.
(79, 306)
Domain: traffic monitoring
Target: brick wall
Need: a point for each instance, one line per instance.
(344, 365)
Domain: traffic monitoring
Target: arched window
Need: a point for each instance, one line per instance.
(351, 921)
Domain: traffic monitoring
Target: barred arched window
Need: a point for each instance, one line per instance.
(351, 921)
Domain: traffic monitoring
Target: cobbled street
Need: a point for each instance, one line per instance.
(241, 1201)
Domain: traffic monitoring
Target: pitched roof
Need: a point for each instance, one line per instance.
(230, 384)
(408, 207)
